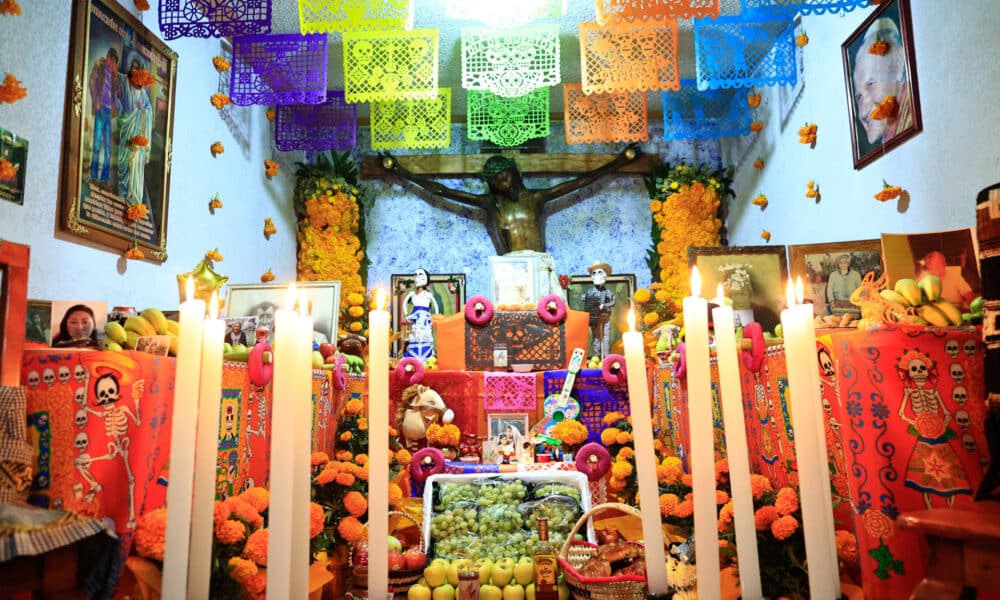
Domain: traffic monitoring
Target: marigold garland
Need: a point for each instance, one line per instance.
(765, 235)
(142, 5)
(11, 90)
(879, 47)
(758, 164)
(220, 100)
(807, 134)
(753, 100)
(801, 40)
(756, 126)
(134, 253)
(7, 169)
(888, 108)
(140, 78)
(271, 168)
(269, 228)
(270, 114)
(216, 149)
(221, 64)
(214, 255)
(267, 276)
(214, 203)
(150, 534)
(10, 7)
(139, 141)
(888, 192)
(136, 211)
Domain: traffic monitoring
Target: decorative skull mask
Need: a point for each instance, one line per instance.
(969, 347)
(962, 418)
(951, 347)
(917, 370)
(230, 420)
(33, 379)
(80, 395)
(82, 441)
(957, 372)
(959, 394)
(106, 390)
(968, 442)
(80, 418)
(825, 364)
(80, 373)
(49, 377)
(64, 374)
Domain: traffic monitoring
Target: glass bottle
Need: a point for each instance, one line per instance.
(545, 565)
(468, 585)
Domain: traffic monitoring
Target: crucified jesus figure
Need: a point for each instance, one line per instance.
(515, 218)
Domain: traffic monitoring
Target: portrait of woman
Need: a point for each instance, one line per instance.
(78, 324)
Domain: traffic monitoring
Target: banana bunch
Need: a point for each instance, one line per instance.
(151, 321)
(236, 352)
(920, 302)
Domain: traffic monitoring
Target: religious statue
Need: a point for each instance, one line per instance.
(515, 218)
(420, 343)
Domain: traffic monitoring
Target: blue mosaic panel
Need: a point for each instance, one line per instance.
(709, 114)
(755, 8)
(733, 52)
(279, 69)
(213, 18)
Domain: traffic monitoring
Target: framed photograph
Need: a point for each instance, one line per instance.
(38, 322)
(754, 277)
(13, 166)
(118, 130)
(508, 438)
(260, 300)
(622, 286)
(241, 330)
(77, 323)
(880, 74)
(516, 280)
(447, 291)
(951, 255)
(154, 344)
(831, 272)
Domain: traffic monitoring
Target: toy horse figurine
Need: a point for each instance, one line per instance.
(419, 407)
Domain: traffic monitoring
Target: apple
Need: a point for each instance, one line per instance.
(396, 560)
(490, 592)
(359, 554)
(484, 567)
(444, 592)
(563, 590)
(513, 591)
(529, 591)
(503, 571)
(317, 360)
(607, 536)
(524, 571)
(434, 574)
(418, 591)
(327, 349)
(395, 544)
(415, 559)
(458, 565)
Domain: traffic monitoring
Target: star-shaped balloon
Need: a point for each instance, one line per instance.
(206, 281)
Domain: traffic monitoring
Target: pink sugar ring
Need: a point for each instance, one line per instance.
(260, 373)
(478, 310)
(680, 367)
(613, 369)
(755, 357)
(552, 309)
(593, 460)
(339, 376)
(409, 371)
(426, 462)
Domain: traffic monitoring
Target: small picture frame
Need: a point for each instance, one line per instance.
(38, 322)
(516, 280)
(261, 300)
(154, 344)
(623, 287)
(77, 323)
(831, 272)
(448, 290)
(241, 330)
(754, 277)
(509, 439)
(951, 255)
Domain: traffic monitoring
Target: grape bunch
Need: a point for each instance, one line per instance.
(454, 493)
(545, 490)
(455, 520)
(561, 511)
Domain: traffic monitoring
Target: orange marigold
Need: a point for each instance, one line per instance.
(7, 169)
(684, 509)
(241, 569)
(847, 547)
(722, 469)
(270, 114)
(216, 149)
(403, 456)
(362, 424)
(879, 47)
(150, 534)
(361, 459)
(11, 90)
(319, 458)
(395, 494)
(787, 501)
(668, 503)
(140, 141)
(355, 503)
(759, 485)
(609, 435)
(230, 532)
(764, 516)
(625, 453)
(142, 5)
(214, 203)
(266, 276)
(615, 484)
(888, 108)
(242, 509)
(140, 78)
(765, 235)
(345, 479)
(801, 40)
(346, 436)
(271, 168)
(623, 437)
(221, 64)
(9, 7)
(220, 100)
(257, 497)
(758, 164)
(888, 192)
(256, 585)
(753, 100)
(686, 479)
(354, 407)
(325, 476)
(136, 211)
(351, 529)
(622, 469)
(721, 497)
(214, 255)
(784, 527)
(756, 126)
(135, 253)
(256, 547)
(726, 512)
(317, 519)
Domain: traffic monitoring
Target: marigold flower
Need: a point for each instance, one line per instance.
(765, 235)
(355, 299)
(684, 509)
(686, 479)
(269, 228)
(651, 318)
(355, 327)
(221, 64)
(888, 108)
(764, 516)
(801, 40)
(625, 453)
(10, 7)
(759, 485)
(888, 192)
(325, 476)
(256, 547)
(230, 532)
(270, 114)
(641, 296)
(623, 437)
(345, 479)
(142, 5)
(609, 435)
(879, 47)
(136, 211)
(346, 436)
(355, 503)
(242, 509)
(351, 529)
(11, 90)
(214, 203)
(266, 276)
(721, 469)
(622, 469)
(317, 519)
(753, 100)
(140, 141)
(721, 497)
(214, 255)
(395, 494)
(361, 459)
(787, 501)
(7, 169)
(760, 200)
(615, 484)
(403, 456)
(668, 502)
(135, 253)
(354, 406)
(140, 78)
(758, 164)
(756, 126)
(726, 512)
(662, 295)
(847, 547)
(356, 311)
(784, 527)
(220, 100)
(318, 458)
(216, 149)
(570, 431)
(150, 534)
(257, 497)
(655, 206)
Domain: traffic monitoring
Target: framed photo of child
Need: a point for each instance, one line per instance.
(508, 439)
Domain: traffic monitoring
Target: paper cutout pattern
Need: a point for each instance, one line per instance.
(401, 124)
(508, 121)
(317, 16)
(278, 69)
(510, 62)
(512, 14)
(332, 125)
(612, 117)
(213, 18)
(735, 52)
(806, 7)
(708, 114)
(629, 57)
(390, 65)
(626, 11)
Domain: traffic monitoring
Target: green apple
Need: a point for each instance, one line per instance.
(317, 360)
(394, 543)
(524, 571)
(418, 592)
(435, 575)
(513, 591)
(458, 565)
(490, 592)
(444, 592)
(503, 571)
(484, 567)
(440, 561)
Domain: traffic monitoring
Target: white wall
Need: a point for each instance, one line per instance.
(34, 47)
(956, 155)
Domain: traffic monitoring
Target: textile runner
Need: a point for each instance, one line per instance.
(898, 438)
(596, 398)
(508, 121)
(512, 14)
(611, 117)
(106, 416)
(390, 65)
(215, 18)
(622, 11)
(278, 69)
(709, 114)
(733, 52)
(406, 123)
(332, 125)
(509, 391)
(325, 16)
(629, 57)
(806, 7)
(510, 62)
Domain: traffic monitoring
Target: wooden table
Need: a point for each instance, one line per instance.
(963, 548)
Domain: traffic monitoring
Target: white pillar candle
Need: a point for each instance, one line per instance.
(206, 451)
(183, 423)
(645, 458)
(378, 450)
(281, 471)
(303, 448)
(800, 360)
(736, 450)
(702, 456)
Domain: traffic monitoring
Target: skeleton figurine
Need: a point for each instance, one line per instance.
(107, 390)
(934, 468)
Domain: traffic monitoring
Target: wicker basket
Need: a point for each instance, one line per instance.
(575, 554)
(399, 581)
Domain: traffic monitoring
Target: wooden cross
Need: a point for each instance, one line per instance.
(530, 165)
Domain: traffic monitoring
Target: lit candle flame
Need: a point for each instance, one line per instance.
(789, 295)
(720, 294)
(631, 320)
(290, 297)
(213, 306)
(380, 299)
(189, 289)
(695, 282)
(800, 295)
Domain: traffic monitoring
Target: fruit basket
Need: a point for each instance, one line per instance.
(399, 580)
(575, 554)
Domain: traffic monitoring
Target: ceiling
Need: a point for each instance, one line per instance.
(431, 14)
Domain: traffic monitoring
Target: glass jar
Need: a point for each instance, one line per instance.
(468, 585)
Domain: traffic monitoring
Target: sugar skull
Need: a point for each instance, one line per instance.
(64, 374)
(960, 395)
(33, 379)
(82, 441)
(80, 374)
(968, 442)
(49, 377)
(969, 347)
(951, 347)
(957, 372)
(80, 419)
(917, 370)
(962, 418)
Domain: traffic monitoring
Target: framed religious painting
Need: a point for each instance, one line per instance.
(445, 296)
(880, 74)
(831, 272)
(621, 288)
(261, 300)
(116, 181)
(753, 277)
